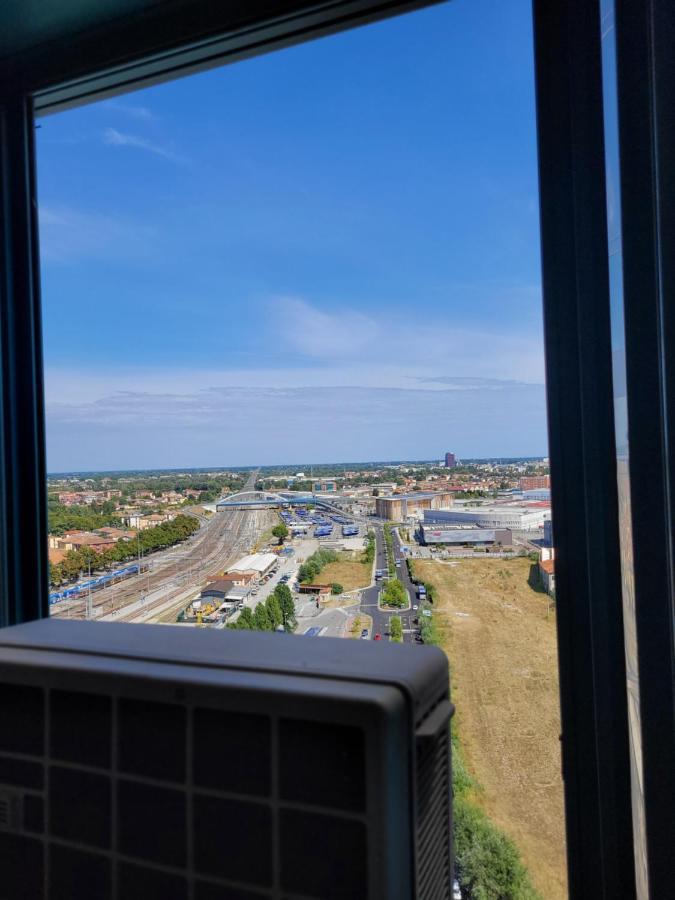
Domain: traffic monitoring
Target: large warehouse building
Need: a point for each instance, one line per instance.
(517, 518)
(432, 534)
(256, 562)
(398, 507)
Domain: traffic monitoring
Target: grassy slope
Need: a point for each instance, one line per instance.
(502, 654)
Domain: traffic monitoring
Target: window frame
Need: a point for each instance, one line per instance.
(182, 36)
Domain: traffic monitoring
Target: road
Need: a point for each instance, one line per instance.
(369, 604)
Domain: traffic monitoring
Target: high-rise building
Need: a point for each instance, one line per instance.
(450, 461)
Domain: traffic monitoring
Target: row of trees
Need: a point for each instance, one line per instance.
(278, 610)
(313, 565)
(369, 551)
(430, 588)
(389, 545)
(76, 562)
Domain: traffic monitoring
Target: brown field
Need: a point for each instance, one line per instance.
(502, 652)
(348, 571)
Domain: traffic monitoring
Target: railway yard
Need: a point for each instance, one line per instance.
(167, 578)
(158, 593)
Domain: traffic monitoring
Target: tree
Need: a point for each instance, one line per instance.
(261, 618)
(274, 610)
(280, 531)
(245, 620)
(394, 594)
(283, 592)
(336, 588)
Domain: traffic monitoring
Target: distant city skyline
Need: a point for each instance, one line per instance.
(327, 252)
(304, 463)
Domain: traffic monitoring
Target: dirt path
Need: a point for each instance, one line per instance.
(502, 652)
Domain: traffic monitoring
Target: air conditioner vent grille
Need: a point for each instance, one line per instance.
(153, 799)
(433, 820)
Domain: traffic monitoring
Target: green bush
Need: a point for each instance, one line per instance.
(395, 630)
(429, 631)
(394, 594)
(336, 588)
(488, 862)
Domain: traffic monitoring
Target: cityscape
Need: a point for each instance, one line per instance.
(211, 548)
(453, 553)
(294, 384)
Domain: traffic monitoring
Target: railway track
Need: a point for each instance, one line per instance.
(226, 534)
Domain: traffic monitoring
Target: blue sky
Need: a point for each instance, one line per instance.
(326, 253)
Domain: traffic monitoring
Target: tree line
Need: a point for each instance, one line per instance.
(313, 565)
(369, 551)
(84, 518)
(86, 559)
(268, 615)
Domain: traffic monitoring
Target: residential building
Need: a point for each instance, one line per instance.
(239, 579)
(321, 487)
(450, 461)
(531, 482)
(547, 574)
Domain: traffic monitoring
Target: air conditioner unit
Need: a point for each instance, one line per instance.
(169, 764)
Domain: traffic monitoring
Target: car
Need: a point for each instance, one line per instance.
(377, 637)
(364, 633)
(456, 891)
(415, 606)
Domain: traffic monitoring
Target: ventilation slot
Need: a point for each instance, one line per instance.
(433, 821)
(4, 811)
(9, 811)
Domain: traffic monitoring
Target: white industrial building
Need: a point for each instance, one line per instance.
(516, 518)
(256, 562)
(432, 534)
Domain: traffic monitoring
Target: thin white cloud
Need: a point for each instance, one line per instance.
(135, 112)
(68, 234)
(411, 340)
(320, 334)
(115, 138)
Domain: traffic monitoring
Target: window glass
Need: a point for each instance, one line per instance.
(613, 190)
(295, 377)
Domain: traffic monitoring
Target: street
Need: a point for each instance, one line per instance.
(369, 604)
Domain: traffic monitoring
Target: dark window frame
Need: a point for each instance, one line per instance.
(176, 37)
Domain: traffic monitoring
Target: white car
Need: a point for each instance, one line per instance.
(456, 892)
(415, 606)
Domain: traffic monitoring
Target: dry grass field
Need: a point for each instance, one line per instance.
(348, 571)
(502, 652)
